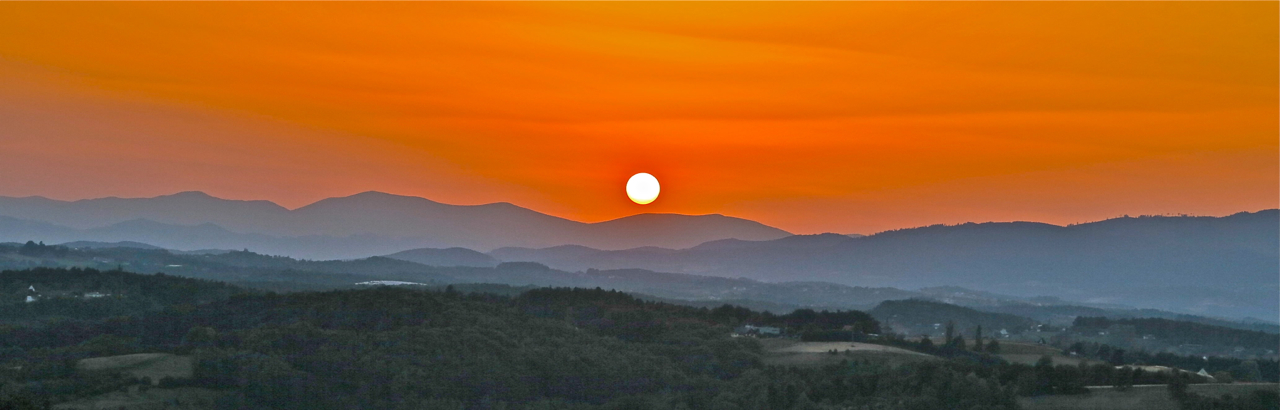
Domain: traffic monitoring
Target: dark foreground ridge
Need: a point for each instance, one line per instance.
(545, 348)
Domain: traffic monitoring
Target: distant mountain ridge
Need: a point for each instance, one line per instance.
(1227, 266)
(369, 223)
(446, 257)
(1216, 266)
(283, 273)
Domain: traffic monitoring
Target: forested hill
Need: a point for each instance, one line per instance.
(1218, 266)
(916, 316)
(277, 273)
(545, 349)
(1179, 332)
(1064, 315)
(280, 273)
(45, 294)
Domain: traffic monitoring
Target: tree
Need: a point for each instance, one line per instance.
(977, 339)
(1178, 387)
(1122, 379)
(1246, 371)
(1043, 376)
(993, 347)
(951, 332)
(1117, 357)
(200, 337)
(926, 345)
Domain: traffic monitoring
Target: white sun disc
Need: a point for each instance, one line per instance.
(642, 188)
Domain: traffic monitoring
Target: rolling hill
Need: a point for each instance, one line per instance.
(446, 257)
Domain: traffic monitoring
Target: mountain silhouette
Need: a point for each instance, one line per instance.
(446, 257)
(1228, 265)
(369, 223)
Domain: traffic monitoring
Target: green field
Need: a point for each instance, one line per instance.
(147, 399)
(1030, 353)
(785, 352)
(153, 365)
(1007, 347)
(1154, 397)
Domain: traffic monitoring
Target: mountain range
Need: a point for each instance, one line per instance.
(1209, 265)
(1220, 266)
(284, 274)
(369, 223)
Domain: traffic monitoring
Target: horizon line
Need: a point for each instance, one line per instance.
(206, 194)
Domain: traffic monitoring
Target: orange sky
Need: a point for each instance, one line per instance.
(812, 117)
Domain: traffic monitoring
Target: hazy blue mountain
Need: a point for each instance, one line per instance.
(98, 245)
(203, 238)
(446, 257)
(544, 255)
(21, 230)
(1227, 266)
(1060, 312)
(183, 208)
(370, 223)
(287, 274)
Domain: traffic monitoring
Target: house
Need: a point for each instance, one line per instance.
(1169, 370)
(757, 330)
(32, 295)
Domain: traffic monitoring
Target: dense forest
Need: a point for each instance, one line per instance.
(1056, 312)
(92, 294)
(1224, 368)
(918, 316)
(1179, 332)
(284, 274)
(446, 347)
(400, 348)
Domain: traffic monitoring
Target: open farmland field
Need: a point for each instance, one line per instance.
(153, 365)
(784, 352)
(1033, 358)
(1030, 353)
(1027, 348)
(1148, 397)
(139, 399)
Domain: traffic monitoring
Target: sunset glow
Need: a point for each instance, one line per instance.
(811, 117)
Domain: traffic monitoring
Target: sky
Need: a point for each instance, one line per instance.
(811, 117)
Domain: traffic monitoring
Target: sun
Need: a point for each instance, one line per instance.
(642, 188)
